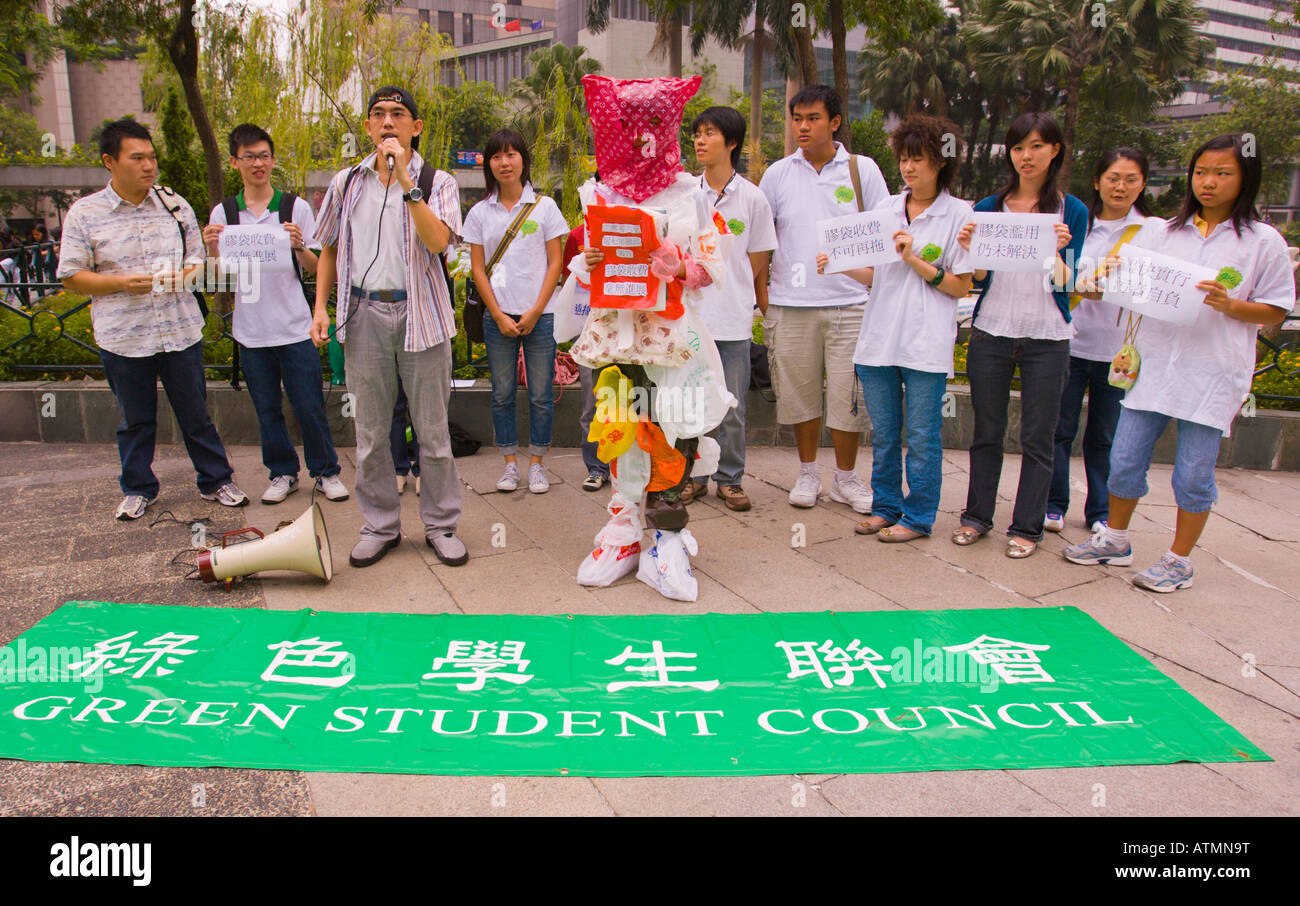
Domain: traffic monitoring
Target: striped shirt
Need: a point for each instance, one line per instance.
(430, 317)
(106, 234)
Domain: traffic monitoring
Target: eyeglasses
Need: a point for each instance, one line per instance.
(397, 115)
(264, 157)
(1126, 180)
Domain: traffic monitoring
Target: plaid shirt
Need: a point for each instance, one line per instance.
(430, 317)
(105, 234)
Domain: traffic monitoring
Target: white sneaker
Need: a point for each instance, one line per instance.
(853, 492)
(133, 507)
(332, 488)
(509, 480)
(1054, 522)
(281, 487)
(227, 495)
(1098, 526)
(537, 482)
(806, 489)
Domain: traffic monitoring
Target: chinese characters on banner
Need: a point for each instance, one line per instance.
(627, 236)
(858, 240)
(1157, 286)
(267, 245)
(1013, 242)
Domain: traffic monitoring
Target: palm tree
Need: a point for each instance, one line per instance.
(1055, 42)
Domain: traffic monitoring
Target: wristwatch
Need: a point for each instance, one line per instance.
(414, 195)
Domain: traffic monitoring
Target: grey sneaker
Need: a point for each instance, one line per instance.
(447, 547)
(806, 489)
(853, 492)
(370, 550)
(537, 481)
(1098, 550)
(509, 480)
(1166, 576)
(332, 487)
(227, 495)
(281, 486)
(133, 507)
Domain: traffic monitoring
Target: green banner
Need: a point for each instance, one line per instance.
(776, 693)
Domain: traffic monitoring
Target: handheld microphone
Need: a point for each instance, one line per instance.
(390, 161)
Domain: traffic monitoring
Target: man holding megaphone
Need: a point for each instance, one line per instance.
(383, 227)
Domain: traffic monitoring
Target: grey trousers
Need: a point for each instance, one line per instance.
(374, 358)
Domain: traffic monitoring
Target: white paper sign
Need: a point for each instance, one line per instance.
(1157, 286)
(858, 240)
(1013, 242)
(267, 245)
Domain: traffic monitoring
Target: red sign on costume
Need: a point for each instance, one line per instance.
(627, 236)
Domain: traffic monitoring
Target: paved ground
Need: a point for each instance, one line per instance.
(1233, 640)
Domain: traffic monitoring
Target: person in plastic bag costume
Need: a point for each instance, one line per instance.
(638, 353)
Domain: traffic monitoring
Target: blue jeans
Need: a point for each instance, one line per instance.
(587, 381)
(731, 433)
(1135, 442)
(134, 381)
(1103, 415)
(539, 365)
(297, 365)
(406, 453)
(882, 388)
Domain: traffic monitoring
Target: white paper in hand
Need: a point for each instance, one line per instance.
(858, 240)
(1013, 242)
(1157, 286)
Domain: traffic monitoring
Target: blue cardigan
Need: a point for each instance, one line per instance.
(1076, 218)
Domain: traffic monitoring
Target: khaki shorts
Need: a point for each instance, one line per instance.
(810, 353)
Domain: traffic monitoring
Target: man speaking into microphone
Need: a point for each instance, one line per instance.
(382, 227)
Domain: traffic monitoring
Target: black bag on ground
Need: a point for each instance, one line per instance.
(462, 442)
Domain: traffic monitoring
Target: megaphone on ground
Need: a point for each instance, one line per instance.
(302, 546)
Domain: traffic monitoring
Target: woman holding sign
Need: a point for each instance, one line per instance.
(908, 331)
(1198, 373)
(1022, 319)
(1115, 216)
(526, 235)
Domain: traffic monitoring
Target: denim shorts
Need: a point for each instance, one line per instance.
(1135, 442)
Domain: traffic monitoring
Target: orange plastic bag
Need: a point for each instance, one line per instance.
(667, 464)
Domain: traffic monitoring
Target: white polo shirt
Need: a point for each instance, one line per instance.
(799, 197)
(517, 277)
(1099, 326)
(280, 314)
(908, 323)
(1202, 372)
(728, 311)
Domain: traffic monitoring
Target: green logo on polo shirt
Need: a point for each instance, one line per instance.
(844, 194)
(931, 252)
(528, 227)
(736, 226)
(1229, 277)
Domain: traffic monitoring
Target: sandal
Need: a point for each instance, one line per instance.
(872, 525)
(897, 534)
(966, 535)
(1020, 548)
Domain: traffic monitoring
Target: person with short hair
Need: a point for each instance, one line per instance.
(132, 247)
(381, 240)
(1197, 374)
(812, 321)
(515, 298)
(728, 310)
(904, 355)
(273, 326)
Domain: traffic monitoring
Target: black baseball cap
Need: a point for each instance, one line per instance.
(394, 94)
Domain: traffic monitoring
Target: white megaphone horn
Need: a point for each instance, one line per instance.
(302, 546)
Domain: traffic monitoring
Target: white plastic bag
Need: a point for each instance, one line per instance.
(666, 568)
(570, 307)
(709, 452)
(618, 547)
(631, 473)
(692, 399)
